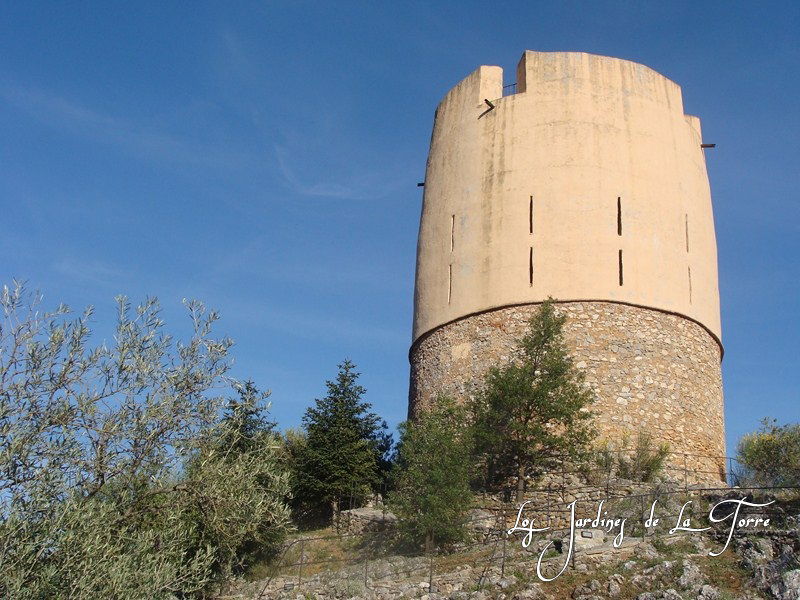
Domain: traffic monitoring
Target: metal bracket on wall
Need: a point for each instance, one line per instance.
(490, 105)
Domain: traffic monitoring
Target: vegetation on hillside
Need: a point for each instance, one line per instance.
(771, 455)
(141, 469)
(119, 478)
(340, 459)
(432, 492)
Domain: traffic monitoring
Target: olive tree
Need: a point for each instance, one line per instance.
(770, 456)
(112, 479)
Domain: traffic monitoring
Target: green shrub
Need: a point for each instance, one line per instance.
(641, 463)
(432, 492)
(770, 456)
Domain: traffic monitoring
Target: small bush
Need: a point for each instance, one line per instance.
(641, 463)
(770, 456)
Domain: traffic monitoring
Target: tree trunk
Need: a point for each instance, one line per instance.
(520, 481)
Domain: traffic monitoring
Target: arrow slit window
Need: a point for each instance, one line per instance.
(530, 216)
(449, 283)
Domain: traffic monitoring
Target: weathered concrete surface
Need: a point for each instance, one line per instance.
(582, 132)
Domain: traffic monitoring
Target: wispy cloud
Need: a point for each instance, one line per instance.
(94, 272)
(311, 326)
(364, 185)
(235, 59)
(257, 260)
(310, 323)
(319, 146)
(141, 140)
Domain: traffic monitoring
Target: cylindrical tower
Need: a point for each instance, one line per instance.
(587, 184)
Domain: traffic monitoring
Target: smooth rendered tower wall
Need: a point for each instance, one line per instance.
(588, 185)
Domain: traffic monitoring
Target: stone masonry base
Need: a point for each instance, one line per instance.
(652, 371)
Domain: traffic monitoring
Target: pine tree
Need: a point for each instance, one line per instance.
(341, 454)
(434, 468)
(246, 419)
(533, 412)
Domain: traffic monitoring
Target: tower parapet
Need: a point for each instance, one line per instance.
(587, 185)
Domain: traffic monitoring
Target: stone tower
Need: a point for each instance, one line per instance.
(588, 184)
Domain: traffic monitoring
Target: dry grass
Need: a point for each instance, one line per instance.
(328, 552)
(321, 550)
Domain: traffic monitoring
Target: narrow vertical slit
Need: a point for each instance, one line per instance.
(530, 216)
(530, 267)
(690, 285)
(687, 231)
(620, 267)
(452, 232)
(619, 215)
(449, 283)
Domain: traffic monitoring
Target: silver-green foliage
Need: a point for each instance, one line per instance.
(770, 456)
(96, 500)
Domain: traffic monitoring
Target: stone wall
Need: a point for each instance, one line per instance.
(358, 521)
(652, 371)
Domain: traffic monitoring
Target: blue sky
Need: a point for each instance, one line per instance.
(263, 157)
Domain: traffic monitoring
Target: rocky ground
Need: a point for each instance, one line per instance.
(672, 568)
(363, 565)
